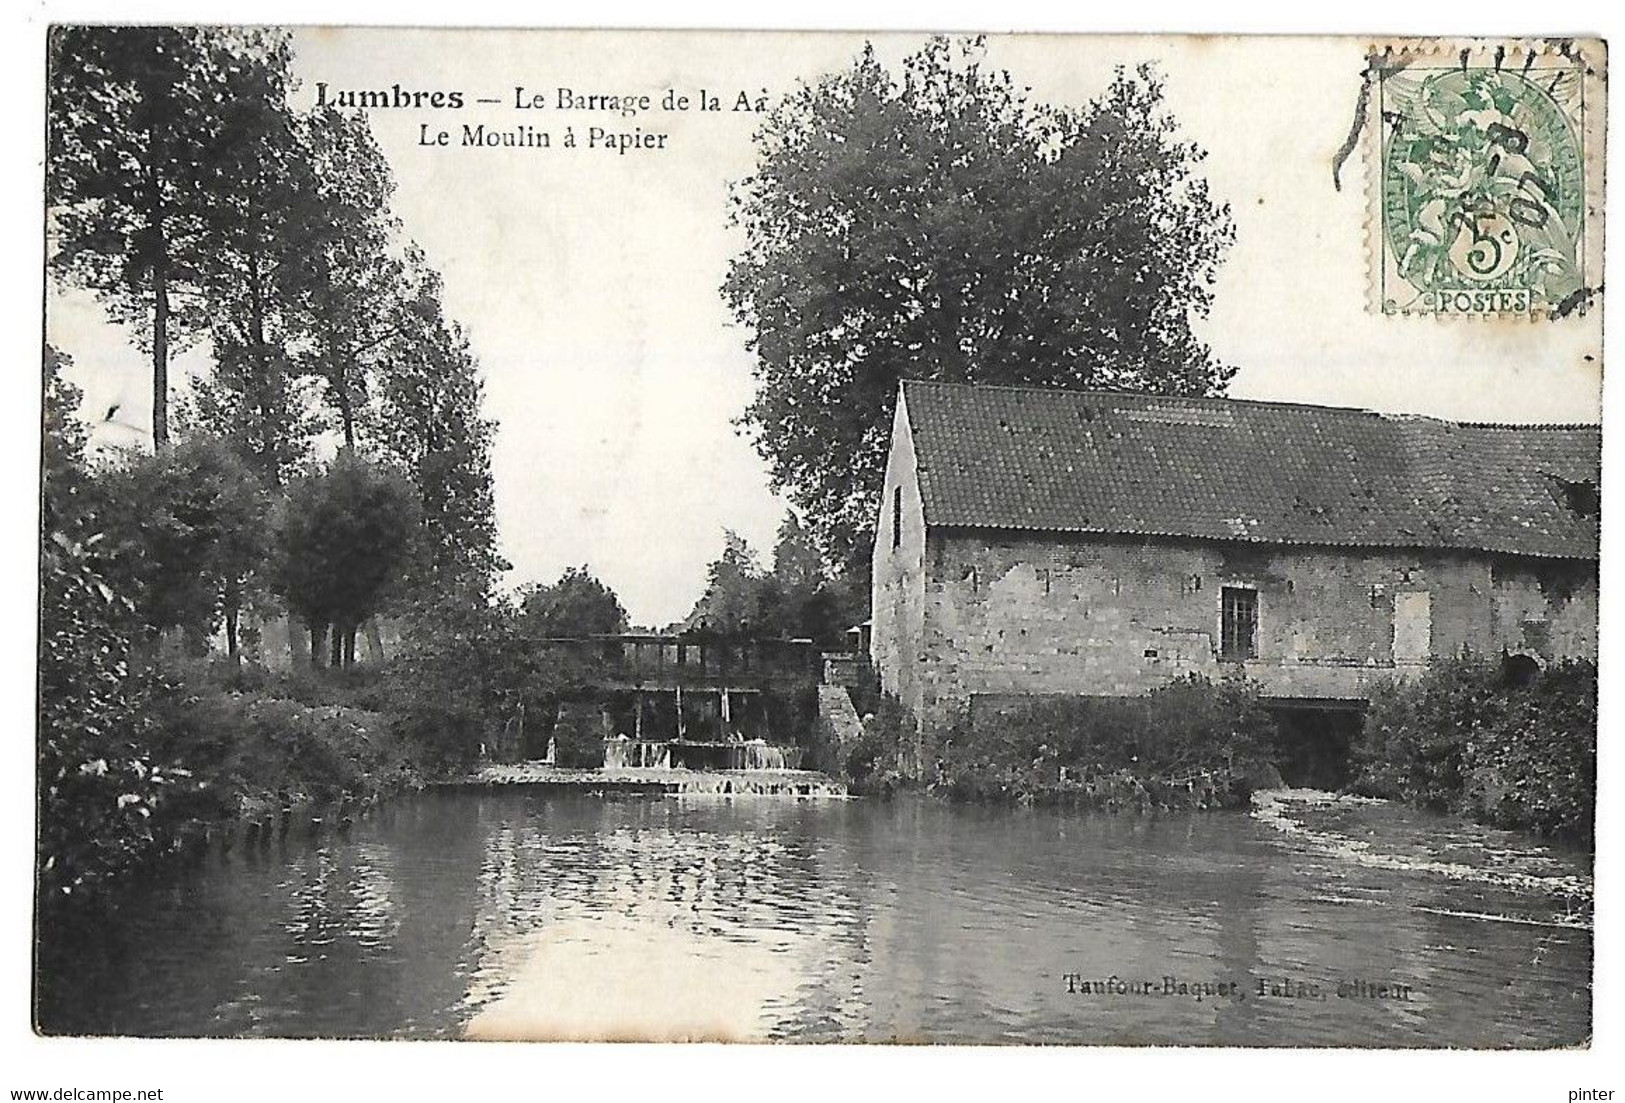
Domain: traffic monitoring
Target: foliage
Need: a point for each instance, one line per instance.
(1190, 743)
(141, 125)
(797, 599)
(342, 279)
(1465, 738)
(99, 782)
(732, 598)
(460, 680)
(257, 232)
(62, 461)
(263, 752)
(938, 224)
(193, 200)
(428, 422)
(576, 605)
(870, 763)
(65, 436)
(303, 282)
(133, 763)
(341, 538)
(188, 533)
(189, 195)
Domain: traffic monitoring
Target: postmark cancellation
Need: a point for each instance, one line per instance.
(1486, 167)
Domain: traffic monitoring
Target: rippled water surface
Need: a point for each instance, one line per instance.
(514, 915)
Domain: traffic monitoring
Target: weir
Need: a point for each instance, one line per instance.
(754, 754)
(696, 699)
(650, 713)
(654, 780)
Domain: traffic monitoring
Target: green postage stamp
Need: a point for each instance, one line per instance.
(1484, 178)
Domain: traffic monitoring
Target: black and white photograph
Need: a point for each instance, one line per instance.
(694, 536)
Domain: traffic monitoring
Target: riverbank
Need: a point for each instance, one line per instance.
(215, 760)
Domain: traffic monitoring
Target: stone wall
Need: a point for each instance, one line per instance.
(1002, 614)
(896, 643)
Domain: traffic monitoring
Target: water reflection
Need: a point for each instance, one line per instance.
(506, 915)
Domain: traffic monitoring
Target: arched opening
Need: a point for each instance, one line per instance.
(1520, 670)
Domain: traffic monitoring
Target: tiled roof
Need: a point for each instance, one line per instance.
(1222, 469)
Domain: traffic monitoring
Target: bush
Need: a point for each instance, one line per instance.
(1410, 746)
(1464, 738)
(870, 763)
(260, 752)
(1194, 743)
(99, 780)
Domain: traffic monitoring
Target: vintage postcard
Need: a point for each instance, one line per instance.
(819, 537)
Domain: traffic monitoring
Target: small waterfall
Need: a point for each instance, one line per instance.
(759, 756)
(620, 754)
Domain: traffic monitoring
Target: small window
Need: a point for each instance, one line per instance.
(1238, 623)
(896, 517)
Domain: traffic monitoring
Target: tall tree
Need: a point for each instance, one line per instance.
(796, 562)
(137, 130)
(343, 278)
(941, 225)
(430, 424)
(270, 418)
(259, 237)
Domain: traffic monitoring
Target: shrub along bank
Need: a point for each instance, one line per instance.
(1467, 738)
(201, 756)
(1193, 744)
(267, 749)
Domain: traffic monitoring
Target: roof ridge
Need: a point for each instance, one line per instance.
(1231, 400)
(1052, 459)
(1568, 425)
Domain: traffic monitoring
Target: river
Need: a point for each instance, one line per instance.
(506, 914)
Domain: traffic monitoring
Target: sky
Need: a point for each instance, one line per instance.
(588, 280)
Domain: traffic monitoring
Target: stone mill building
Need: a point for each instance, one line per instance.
(1040, 542)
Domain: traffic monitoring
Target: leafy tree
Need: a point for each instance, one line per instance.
(796, 562)
(733, 590)
(800, 599)
(302, 282)
(796, 599)
(265, 412)
(576, 605)
(429, 423)
(262, 194)
(342, 279)
(941, 225)
(460, 680)
(138, 129)
(187, 526)
(342, 537)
